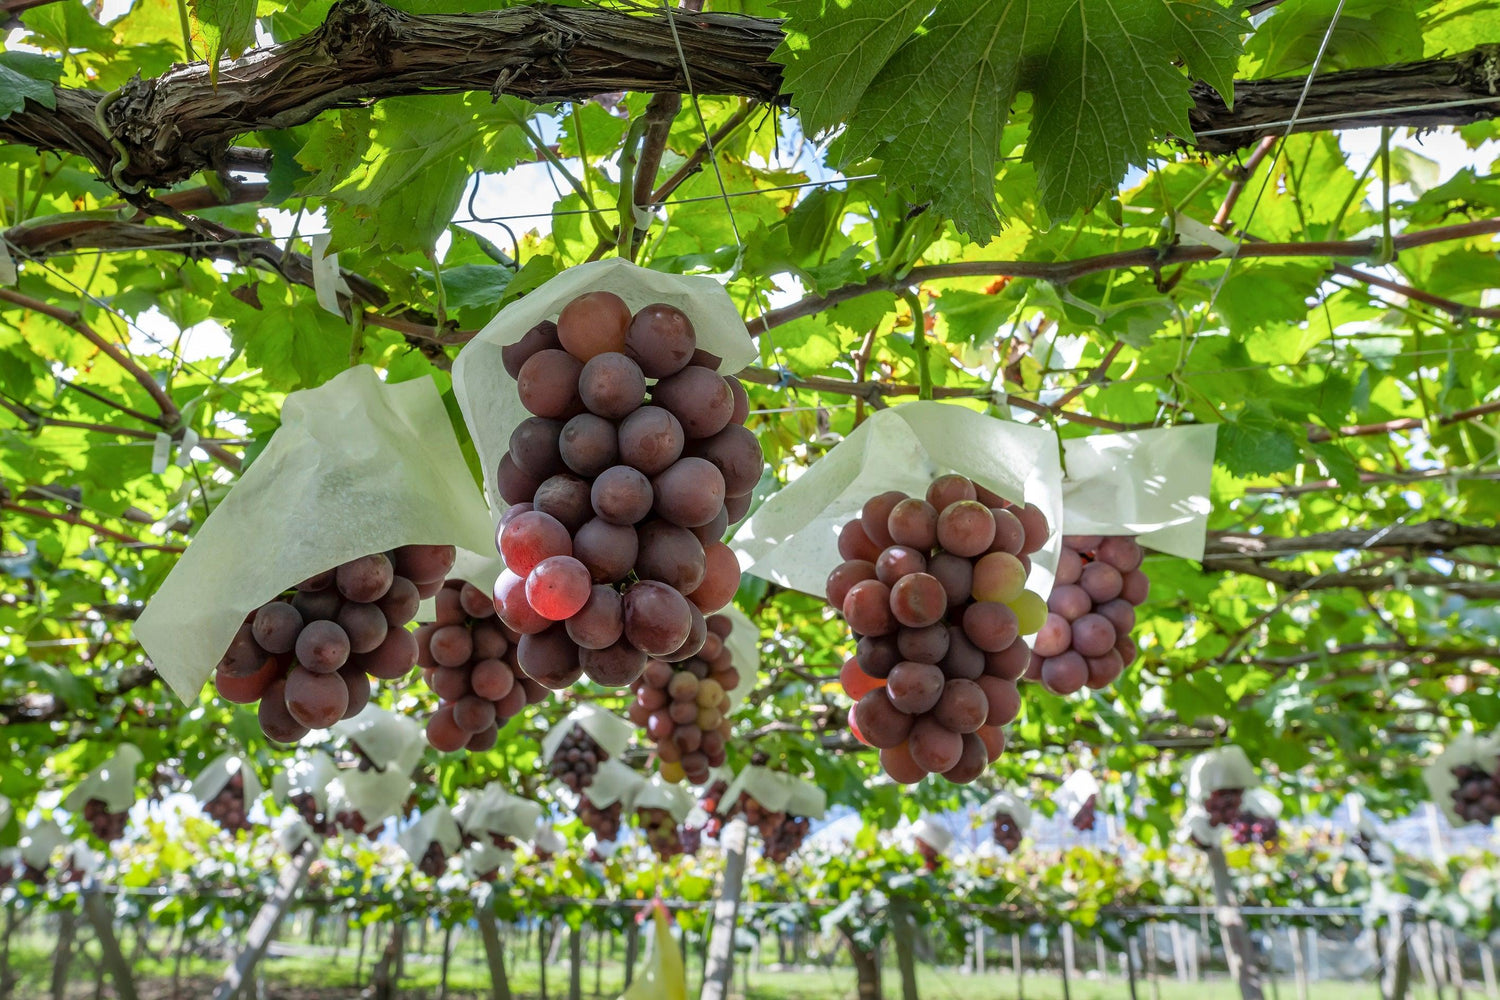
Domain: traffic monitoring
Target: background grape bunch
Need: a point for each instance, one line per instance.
(1223, 805)
(1085, 640)
(1083, 819)
(103, 824)
(932, 858)
(577, 759)
(1253, 828)
(662, 835)
(605, 822)
(684, 707)
(468, 658)
(307, 807)
(621, 494)
(434, 860)
(710, 803)
(1007, 832)
(935, 590)
(228, 807)
(308, 656)
(781, 833)
(354, 821)
(1477, 797)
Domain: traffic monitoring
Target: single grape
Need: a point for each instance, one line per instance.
(867, 608)
(741, 412)
(1010, 536)
(358, 684)
(444, 734)
(1093, 635)
(1054, 637)
(275, 718)
(855, 544)
(661, 340)
(530, 538)
(1066, 673)
(735, 452)
(567, 498)
(246, 689)
(448, 608)
(316, 701)
(1003, 700)
(735, 508)
(924, 645)
(715, 530)
(1135, 587)
(670, 554)
(589, 444)
(898, 561)
(548, 385)
(918, 600)
(1009, 663)
(392, 659)
(1069, 566)
(876, 515)
(550, 658)
(366, 578)
(961, 658)
(276, 627)
(990, 626)
(600, 622)
(322, 647)
(611, 385)
(558, 587)
(934, 748)
(1120, 551)
(897, 762)
(950, 489)
(1037, 529)
(845, 575)
(473, 714)
(592, 324)
(913, 523)
(534, 447)
(1070, 601)
(450, 645)
(1101, 581)
(614, 666)
(855, 682)
(608, 550)
(699, 398)
(1030, 611)
(541, 337)
(914, 688)
(1105, 670)
(400, 603)
(514, 483)
(650, 440)
(622, 495)
(657, 618)
(955, 573)
(972, 761)
(999, 577)
(364, 624)
(878, 654)
(512, 606)
(993, 738)
(882, 723)
(966, 528)
(492, 679)
(316, 605)
(690, 492)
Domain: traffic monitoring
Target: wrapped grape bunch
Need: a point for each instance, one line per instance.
(308, 656)
(1007, 832)
(1085, 640)
(684, 707)
(623, 481)
(935, 590)
(1476, 797)
(1223, 805)
(577, 759)
(468, 658)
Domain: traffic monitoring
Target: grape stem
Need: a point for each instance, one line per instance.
(919, 344)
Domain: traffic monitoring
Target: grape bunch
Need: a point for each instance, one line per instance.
(621, 494)
(468, 658)
(308, 656)
(684, 707)
(1085, 640)
(782, 838)
(935, 590)
(932, 858)
(662, 834)
(307, 807)
(1083, 819)
(1253, 828)
(107, 826)
(605, 823)
(577, 759)
(710, 803)
(1223, 805)
(228, 808)
(1477, 797)
(354, 821)
(1007, 832)
(692, 840)
(434, 860)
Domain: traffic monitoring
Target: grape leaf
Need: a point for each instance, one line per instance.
(25, 76)
(1102, 73)
(227, 26)
(1257, 443)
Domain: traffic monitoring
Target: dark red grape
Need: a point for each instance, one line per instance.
(661, 340)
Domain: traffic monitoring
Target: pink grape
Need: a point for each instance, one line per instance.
(532, 537)
(557, 587)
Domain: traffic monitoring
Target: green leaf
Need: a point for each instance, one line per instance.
(475, 285)
(1368, 33)
(1257, 443)
(227, 25)
(27, 76)
(68, 27)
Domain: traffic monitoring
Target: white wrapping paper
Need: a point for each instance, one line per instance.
(1196, 829)
(776, 791)
(212, 779)
(492, 809)
(487, 394)
(1261, 802)
(792, 539)
(39, 841)
(5, 811)
(358, 466)
(614, 782)
(937, 837)
(375, 795)
(659, 794)
(1222, 767)
(482, 857)
(307, 774)
(479, 569)
(1153, 484)
(1074, 792)
(1005, 802)
(112, 782)
(1480, 751)
(388, 739)
(743, 644)
(84, 857)
(544, 837)
(436, 825)
(609, 731)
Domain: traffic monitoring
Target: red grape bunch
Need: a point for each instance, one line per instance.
(684, 707)
(468, 657)
(932, 858)
(605, 822)
(577, 759)
(1083, 819)
(312, 814)
(434, 860)
(107, 826)
(308, 655)
(935, 590)
(781, 833)
(1007, 832)
(621, 494)
(1477, 797)
(662, 834)
(228, 808)
(710, 803)
(354, 821)
(1085, 640)
(1252, 828)
(1223, 805)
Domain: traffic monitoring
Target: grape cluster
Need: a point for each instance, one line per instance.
(782, 838)
(710, 803)
(1223, 805)
(1252, 828)
(692, 840)
(308, 656)
(354, 821)
(662, 834)
(228, 808)
(935, 589)
(613, 546)
(1477, 797)
(577, 759)
(468, 657)
(307, 807)
(434, 860)
(932, 858)
(605, 823)
(1007, 832)
(1083, 819)
(107, 826)
(684, 707)
(1085, 640)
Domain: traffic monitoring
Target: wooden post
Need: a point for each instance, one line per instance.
(1455, 961)
(979, 936)
(718, 970)
(263, 927)
(1314, 970)
(903, 929)
(1487, 966)
(1017, 966)
(1421, 947)
(494, 952)
(575, 963)
(1397, 972)
(359, 957)
(866, 966)
(541, 954)
(1237, 947)
(599, 937)
(1151, 956)
(111, 958)
(1100, 962)
(1069, 966)
(1299, 961)
(632, 942)
(1132, 956)
(67, 923)
(1179, 952)
(443, 969)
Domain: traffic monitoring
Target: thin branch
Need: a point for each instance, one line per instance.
(1404, 478)
(1402, 424)
(68, 517)
(1096, 375)
(1298, 580)
(1450, 306)
(695, 159)
(111, 403)
(1429, 536)
(1239, 176)
(660, 114)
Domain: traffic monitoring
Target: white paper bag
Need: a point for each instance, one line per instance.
(358, 466)
(1197, 829)
(112, 782)
(212, 779)
(792, 540)
(546, 839)
(492, 809)
(307, 774)
(1480, 751)
(614, 782)
(777, 792)
(929, 832)
(659, 794)
(1261, 802)
(1153, 484)
(375, 795)
(1075, 791)
(436, 825)
(1222, 767)
(39, 841)
(487, 394)
(1011, 805)
(388, 739)
(482, 857)
(611, 732)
